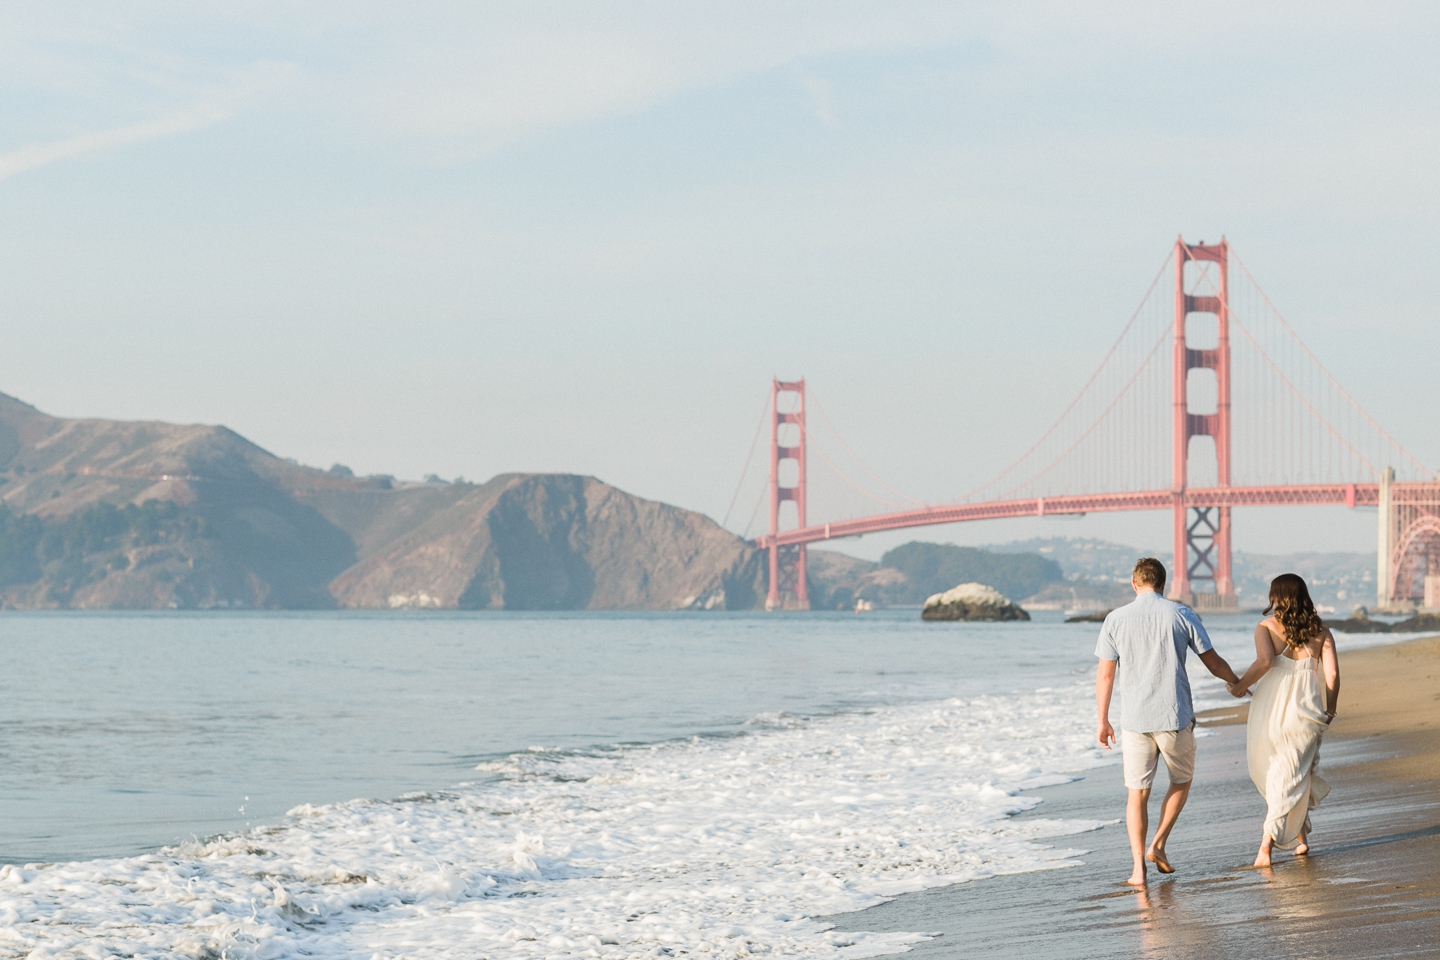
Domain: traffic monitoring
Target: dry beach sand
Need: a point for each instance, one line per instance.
(1371, 887)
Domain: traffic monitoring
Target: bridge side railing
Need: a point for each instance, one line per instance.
(1336, 494)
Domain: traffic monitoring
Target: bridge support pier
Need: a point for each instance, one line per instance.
(1408, 554)
(1386, 524)
(1203, 546)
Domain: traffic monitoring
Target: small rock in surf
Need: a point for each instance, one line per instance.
(971, 601)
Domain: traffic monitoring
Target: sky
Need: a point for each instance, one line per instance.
(469, 238)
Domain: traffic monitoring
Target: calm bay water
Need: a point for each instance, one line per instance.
(123, 732)
(119, 733)
(349, 785)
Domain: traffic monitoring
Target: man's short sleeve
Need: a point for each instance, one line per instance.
(1105, 646)
(1197, 639)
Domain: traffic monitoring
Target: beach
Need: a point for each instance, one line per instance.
(456, 784)
(867, 759)
(1370, 888)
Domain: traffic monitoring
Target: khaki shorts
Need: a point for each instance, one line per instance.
(1141, 750)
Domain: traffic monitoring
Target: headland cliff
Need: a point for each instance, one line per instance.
(115, 514)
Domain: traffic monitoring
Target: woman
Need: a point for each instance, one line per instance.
(1292, 708)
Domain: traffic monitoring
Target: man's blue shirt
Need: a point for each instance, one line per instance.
(1149, 637)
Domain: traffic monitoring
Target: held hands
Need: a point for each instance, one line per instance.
(1105, 734)
(1236, 690)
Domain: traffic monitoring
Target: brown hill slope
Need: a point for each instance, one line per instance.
(241, 527)
(557, 542)
(253, 545)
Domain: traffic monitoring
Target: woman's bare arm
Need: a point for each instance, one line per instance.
(1330, 664)
(1264, 657)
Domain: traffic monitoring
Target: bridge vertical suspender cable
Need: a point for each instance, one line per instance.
(1309, 447)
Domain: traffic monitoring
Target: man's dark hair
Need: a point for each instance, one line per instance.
(1151, 572)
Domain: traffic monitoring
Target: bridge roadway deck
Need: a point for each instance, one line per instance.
(1335, 494)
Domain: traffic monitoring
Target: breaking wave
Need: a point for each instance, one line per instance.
(716, 847)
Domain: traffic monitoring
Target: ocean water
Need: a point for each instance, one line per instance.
(524, 785)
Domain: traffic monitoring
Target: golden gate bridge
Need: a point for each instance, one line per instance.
(1207, 401)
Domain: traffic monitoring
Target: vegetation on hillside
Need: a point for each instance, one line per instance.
(909, 574)
(67, 553)
(931, 568)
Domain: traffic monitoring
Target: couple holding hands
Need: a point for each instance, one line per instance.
(1295, 682)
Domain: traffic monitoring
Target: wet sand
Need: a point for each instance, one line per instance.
(1370, 888)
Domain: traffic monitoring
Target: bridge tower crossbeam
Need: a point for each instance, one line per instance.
(1202, 534)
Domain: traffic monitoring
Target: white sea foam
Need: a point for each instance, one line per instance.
(719, 847)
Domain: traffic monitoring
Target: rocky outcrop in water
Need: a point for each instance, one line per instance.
(1360, 622)
(1420, 623)
(909, 573)
(971, 601)
(1097, 617)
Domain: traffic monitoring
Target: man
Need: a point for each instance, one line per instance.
(1145, 641)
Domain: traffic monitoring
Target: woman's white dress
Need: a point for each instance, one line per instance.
(1287, 719)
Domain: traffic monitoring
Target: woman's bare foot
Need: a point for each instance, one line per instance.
(1262, 859)
(1303, 847)
(1156, 855)
(1137, 877)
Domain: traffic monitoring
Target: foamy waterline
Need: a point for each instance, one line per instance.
(719, 847)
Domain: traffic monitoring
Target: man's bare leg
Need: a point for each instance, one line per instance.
(1137, 823)
(1175, 799)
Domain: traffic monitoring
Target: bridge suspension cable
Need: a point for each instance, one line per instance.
(1070, 407)
(863, 466)
(1254, 421)
(1344, 394)
(744, 471)
(1124, 391)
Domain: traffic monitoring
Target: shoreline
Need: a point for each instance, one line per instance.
(1370, 888)
(1390, 702)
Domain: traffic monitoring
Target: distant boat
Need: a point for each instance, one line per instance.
(863, 606)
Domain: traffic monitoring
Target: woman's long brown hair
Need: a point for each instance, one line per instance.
(1290, 602)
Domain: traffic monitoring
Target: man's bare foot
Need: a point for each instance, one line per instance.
(1137, 879)
(1156, 855)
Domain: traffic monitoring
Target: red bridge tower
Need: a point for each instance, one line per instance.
(788, 587)
(1202, 534)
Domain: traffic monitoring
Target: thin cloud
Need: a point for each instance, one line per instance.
(467, 95)
(821, 100)
(257, 83)
(33, 156)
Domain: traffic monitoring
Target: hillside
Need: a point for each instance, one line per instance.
(102, 513)
(546, 542)
(908, 574)
(113, 514)
(1093, 567)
